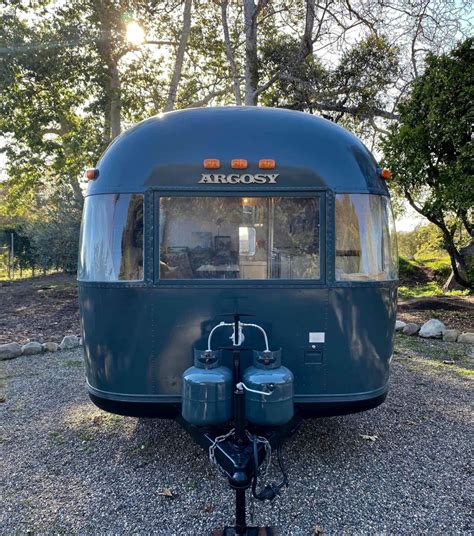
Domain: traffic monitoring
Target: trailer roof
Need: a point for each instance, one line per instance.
(167, 151)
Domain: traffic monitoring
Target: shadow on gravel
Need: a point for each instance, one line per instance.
(73, 468)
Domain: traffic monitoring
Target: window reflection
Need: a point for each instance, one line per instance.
(111, 245)
(366, 247)
(239, 238)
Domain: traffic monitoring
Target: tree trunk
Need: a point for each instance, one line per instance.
(458, 265)
(251, 73)
(112, 86)
(230, 54)
(307, 39)
(251, 63)
(178, 64)
(115, 101)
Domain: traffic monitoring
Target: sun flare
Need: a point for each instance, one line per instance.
(135, 33)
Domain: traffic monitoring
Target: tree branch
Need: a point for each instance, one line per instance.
(205, 100)
(357, 110)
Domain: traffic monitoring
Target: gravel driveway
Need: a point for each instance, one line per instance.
(67, 467)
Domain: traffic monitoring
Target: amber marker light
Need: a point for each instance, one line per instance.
(212, 163)
(386, 174)
(92, 174)
(239, 163)
(267, 163)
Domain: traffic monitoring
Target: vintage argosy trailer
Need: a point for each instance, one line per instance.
(256, 243)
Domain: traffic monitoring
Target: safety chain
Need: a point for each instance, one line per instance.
(212, 448)
(262, 470)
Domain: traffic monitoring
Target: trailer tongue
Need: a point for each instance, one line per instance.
(258, 401)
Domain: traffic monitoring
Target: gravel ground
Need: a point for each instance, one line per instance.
(67, 467)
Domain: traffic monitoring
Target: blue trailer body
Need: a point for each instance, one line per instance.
(336, 331)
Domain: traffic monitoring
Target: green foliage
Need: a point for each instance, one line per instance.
(430, 151)
(298, 82)
(426, 290)
(426, 240)
(440, 266)
(54, 234)
(358, 83)
(407, 269)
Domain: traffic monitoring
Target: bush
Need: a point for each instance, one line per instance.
(54, 235)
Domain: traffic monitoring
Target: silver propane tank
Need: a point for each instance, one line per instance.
(207, 390)
(269, 390)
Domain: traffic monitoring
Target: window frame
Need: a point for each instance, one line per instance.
(307, 193)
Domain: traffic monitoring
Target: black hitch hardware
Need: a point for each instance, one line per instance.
(239, 453)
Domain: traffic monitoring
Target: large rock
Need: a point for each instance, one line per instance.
(69, 342)
(433, 329)
(411, 329)
(466, 337)
(399, 325)
(451, 335)
(9, 351)
(31, 348)
(50, 346)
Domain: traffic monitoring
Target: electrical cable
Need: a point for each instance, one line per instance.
(270, 491)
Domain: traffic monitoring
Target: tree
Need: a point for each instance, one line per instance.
(431, 152)
(71, 79)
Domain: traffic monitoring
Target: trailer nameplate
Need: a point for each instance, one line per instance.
(235, 178)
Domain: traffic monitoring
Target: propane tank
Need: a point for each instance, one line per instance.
(267, 375)
(207, 390)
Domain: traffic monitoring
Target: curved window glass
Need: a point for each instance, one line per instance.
(111, 245)
(366, 248)
(239, 238)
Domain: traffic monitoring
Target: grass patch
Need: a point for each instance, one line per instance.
(86, 434)
(441, 266)
(72, 363)
(435, 352)
(141, 449)
(3, 391)
(428, 290)
(27, 273)
(56, 437)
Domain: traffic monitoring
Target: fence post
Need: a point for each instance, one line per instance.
(12, 256)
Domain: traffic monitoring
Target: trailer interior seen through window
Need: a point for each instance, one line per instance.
(239, 238)
(366, 248)
(111, 244)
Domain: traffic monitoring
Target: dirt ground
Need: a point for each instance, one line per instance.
(45, 309)
(41, 308)
(455, 312)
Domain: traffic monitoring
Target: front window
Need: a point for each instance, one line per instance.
(239, 238)
(111, 245)
(366, 248)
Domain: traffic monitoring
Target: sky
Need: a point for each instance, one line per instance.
(409, 220)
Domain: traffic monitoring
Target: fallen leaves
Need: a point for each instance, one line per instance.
(166, 493)
(98, 419)
(369, 437)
